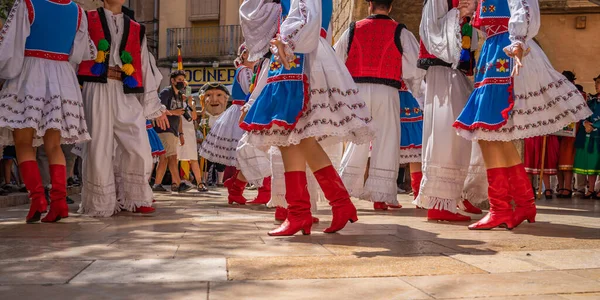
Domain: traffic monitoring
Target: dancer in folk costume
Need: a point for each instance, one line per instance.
(41, 102)
(517, 95)
(380, 54)
(120, 93)
(309, 96)
(450, 173)
(411, 136)
(156, 145)
(222, 141)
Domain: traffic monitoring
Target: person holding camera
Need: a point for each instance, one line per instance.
(173, 97)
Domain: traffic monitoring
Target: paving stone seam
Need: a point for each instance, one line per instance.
(460, 261)
(73, 277)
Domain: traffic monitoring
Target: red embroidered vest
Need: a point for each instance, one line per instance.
(427, 60)
(133, 35)
(375, 51)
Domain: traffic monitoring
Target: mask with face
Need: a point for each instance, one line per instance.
(179, 86)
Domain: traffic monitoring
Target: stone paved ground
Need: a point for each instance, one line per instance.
(198, 247)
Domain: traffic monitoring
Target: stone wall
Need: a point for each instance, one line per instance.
(345, 11)
(340, 20)
(572, 49)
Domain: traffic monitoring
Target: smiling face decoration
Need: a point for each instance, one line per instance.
(216, 96)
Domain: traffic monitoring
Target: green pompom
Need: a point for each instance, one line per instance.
(467, 30)
(103, 45)
(126, 57)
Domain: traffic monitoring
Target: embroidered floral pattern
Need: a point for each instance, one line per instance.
(332, 91)
(319, 122)
(502, 65)
(50, 113)
(9, 20)
(288, 39)
(555, 84)
(539, 124)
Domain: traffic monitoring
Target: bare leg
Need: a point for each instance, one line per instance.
(195, 166)
(561, 180)
(7, 164)
(415, 167)
(53, 148)
(591, 184)
(24, 144)
(161, 169)
(174, 169)
(568, 181)
(499, 154)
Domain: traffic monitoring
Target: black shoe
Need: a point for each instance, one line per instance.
(202, 188)
(70, 182)
(158, 188)
(183, 187)
(70, 201)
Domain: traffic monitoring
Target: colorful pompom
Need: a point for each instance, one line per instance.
(128, 69)
(465, 55)
(466, 42)
(467, 29)
(98, 69)
(130, 82)
(103, 45)
(126, 57)
(101, 56)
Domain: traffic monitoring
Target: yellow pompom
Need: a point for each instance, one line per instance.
(252, 87)
(128, 69)
(100, 57)
(466, 42)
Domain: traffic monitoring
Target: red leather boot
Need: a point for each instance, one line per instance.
(229, 181)
(58, 195)
(444, 215)
(470, 208)
(264, 193)
(380, 206)
(415, 184)
(236, 191)
(299, 217)
(280, 214)
(33, 182)
(522, 192)
(501, 212)
(334, 190)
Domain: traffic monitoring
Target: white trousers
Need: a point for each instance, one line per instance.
(254, 164)
(384, 104)
(115, 121)
(447, 157)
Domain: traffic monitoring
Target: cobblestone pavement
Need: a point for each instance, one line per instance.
(198, 247)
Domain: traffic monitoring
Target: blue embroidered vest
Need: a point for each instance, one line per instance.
(237, 93)
(53, 29)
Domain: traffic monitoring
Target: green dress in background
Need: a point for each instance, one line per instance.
(587, 145)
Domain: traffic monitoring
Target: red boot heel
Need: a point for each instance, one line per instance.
(37, 195)
(299, 217)
(58, 194)
(236, 187)
(342, 207)
(522, 192)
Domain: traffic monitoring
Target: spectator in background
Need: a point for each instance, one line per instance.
(587, 145)
(172, 98)
(189, 151)
(566, 157)
(8, 157)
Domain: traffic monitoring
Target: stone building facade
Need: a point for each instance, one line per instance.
(567, 46)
